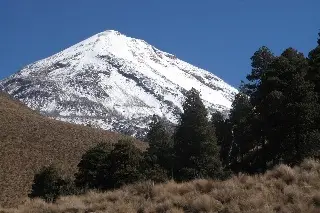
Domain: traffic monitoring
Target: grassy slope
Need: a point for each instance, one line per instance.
(282, 189)
(29, 141)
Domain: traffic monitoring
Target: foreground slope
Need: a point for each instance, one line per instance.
(281, 190)
(29, 141)
(115, 82)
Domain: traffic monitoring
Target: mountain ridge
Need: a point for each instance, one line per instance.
(115, 82)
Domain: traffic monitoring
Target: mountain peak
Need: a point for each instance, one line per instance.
(114, 32)
(115, 82)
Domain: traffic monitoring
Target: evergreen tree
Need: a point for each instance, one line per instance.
(226, 144)
(289, 110)
(314, 76)
(260, 62)
(274, 117)
(160, 151)
(47, 184)
(314, 67)
(196, 149)
(125, 163)
(152, 170)
(244, 141)
(223, 131)
(217, 121)
(93, 168)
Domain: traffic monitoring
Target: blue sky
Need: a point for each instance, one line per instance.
(217, 35)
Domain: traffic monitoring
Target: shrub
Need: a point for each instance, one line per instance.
(47, 184)
(93, 168)
(125, 163)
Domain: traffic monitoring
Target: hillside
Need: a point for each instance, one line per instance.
(115, 82)
(281, 190)
(29, 141)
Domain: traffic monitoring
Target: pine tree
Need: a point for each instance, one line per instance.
(159, 155)
(314, 67)
(93, 168)
(196, 149)
(260, 62)
(223, 131)
(160, 144)
(290, 109)
(217, 121)
(218, 124)
(244, 141)
(274, 117)
(125, 163)
(314, 77)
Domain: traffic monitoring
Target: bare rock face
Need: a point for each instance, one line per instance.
(116, 83)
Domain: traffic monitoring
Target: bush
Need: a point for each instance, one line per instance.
(48, 185)
(155, 173)
(68, 187)
(93, 168)
(125, 163)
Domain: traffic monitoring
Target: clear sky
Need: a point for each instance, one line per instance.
(217, 35)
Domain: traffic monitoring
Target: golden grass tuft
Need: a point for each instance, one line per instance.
(283, 190)
(283, 172)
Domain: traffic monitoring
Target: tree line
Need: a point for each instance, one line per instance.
(274, 119)
(275, 116)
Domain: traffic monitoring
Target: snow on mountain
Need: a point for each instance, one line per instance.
(115, 82)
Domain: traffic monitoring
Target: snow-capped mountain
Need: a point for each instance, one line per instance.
(114, 82)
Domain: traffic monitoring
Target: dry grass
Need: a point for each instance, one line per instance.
(29, 141)
(284, 189)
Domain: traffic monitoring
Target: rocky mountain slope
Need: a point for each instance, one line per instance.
(114, 82)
